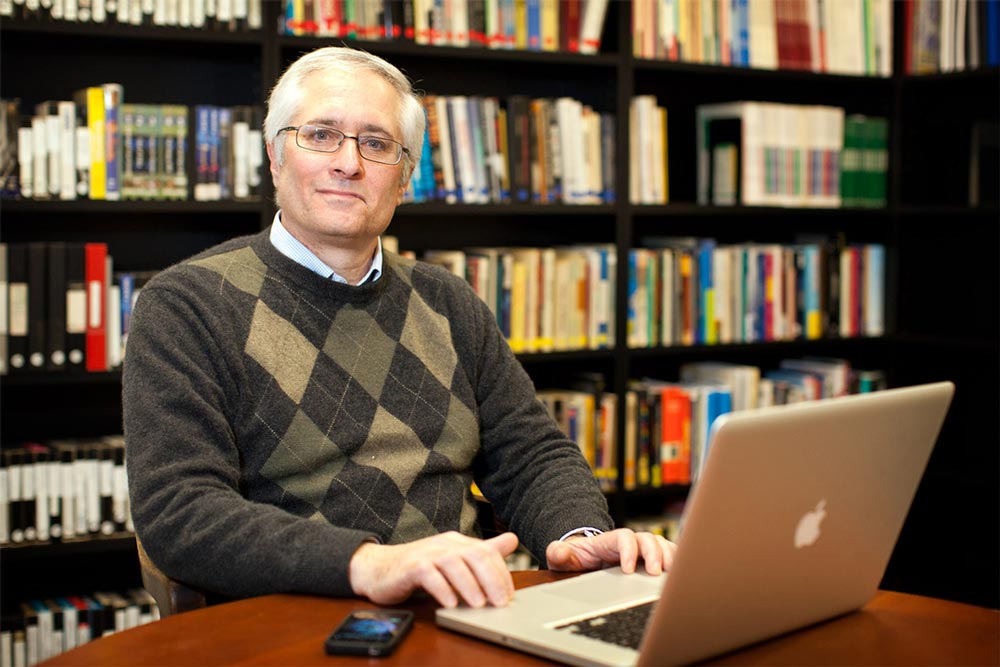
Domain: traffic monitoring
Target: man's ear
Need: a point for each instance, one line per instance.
(272, 158)
(402, 188)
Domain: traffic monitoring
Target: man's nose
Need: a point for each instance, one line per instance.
(348, 158)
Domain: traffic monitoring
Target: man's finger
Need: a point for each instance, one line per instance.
(628, 549)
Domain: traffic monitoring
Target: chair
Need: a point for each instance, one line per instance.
(172, 597)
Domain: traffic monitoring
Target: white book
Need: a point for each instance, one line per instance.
(667, 300)
(4, 505)
(758, 134)
(241, 159)
(255, 14)
(592, 25)
(114, 320)
(67, 491)
(14, 497)
(460, 24)
(635, 172)
(762, 34)
(40, 468)
(67, 149)
(91, 488)
(26, 162)
(462, 136)
(846, 330)
(593, 158)
(447, 160)
(40, 156)
(946, 52)
(564, 291)
(28, 495)
(568, 117)
(961, 10)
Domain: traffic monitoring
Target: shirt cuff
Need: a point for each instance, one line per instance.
(586, 531)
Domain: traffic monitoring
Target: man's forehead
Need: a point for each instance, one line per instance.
(357, 97)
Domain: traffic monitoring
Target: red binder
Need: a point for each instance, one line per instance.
(96, 274)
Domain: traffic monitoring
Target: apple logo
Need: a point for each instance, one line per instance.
(807, 532)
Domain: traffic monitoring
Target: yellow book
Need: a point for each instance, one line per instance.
(90, 101)
(518, 307)
(521, 24)
(665, 155)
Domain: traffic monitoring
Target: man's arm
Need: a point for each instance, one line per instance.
(181, 395)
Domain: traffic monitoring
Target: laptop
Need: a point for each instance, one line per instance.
(792, 522)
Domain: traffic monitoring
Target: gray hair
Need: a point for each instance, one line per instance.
(286, 96)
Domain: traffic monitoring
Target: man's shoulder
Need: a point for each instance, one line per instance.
(423, 275)
(232, 259)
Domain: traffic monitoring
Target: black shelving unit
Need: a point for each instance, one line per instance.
(941, 301)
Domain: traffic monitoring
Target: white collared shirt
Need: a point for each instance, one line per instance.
(295, 250)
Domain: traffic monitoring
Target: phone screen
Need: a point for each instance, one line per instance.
(370, 626)
(370, 632)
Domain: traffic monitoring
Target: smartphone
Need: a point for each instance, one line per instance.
(372, 632)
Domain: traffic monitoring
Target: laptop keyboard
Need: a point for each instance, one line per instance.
(623, 627)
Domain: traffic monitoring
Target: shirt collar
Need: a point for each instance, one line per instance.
(291, 247)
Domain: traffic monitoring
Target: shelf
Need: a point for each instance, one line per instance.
(128, 207)
(965, 213)
(442, 210)
(43, 379)
(410, 49)
(780, 346)
(125, 32)
(645, 64)
(73, 547)
(689, 209)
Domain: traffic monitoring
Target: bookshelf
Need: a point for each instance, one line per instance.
(927, 223)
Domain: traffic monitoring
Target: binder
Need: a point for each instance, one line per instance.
(96, 336)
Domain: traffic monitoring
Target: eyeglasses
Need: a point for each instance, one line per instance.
(320, 139)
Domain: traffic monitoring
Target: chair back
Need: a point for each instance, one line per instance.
(172, 597)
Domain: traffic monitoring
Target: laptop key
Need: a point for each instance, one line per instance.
(623, 627)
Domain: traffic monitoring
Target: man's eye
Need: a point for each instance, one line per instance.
(376, 144)
(321, 135)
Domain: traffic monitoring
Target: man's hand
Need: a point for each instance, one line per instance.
(618, 547)
(450, 566)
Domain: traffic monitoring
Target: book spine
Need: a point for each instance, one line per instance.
(96, 356)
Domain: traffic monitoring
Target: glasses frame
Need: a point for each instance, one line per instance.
(293, 128)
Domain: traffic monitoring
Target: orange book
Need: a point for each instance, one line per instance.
(675, 435)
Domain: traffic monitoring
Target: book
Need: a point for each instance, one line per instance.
(18, 300)
(4, 311)
(90, 106)
(113, 97)
(96, 354)
(76, 305)
(37, 295)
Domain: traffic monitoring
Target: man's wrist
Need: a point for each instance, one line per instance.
(585, 531)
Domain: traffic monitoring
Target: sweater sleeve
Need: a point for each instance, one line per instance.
(179, 395)
(536, 478)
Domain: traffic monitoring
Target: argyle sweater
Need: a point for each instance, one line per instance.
(275, 420)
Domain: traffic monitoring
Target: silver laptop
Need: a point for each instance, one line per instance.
(792, 522)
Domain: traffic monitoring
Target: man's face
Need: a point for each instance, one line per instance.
(340, 198)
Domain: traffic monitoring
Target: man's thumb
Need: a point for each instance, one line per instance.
(505, 543)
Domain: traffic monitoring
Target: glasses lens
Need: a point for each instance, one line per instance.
(378, 149)
(317, 138)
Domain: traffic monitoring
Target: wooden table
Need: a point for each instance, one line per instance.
(893, 629)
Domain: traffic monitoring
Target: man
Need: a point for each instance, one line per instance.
(305, 413)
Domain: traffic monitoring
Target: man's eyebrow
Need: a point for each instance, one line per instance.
(369, 128)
